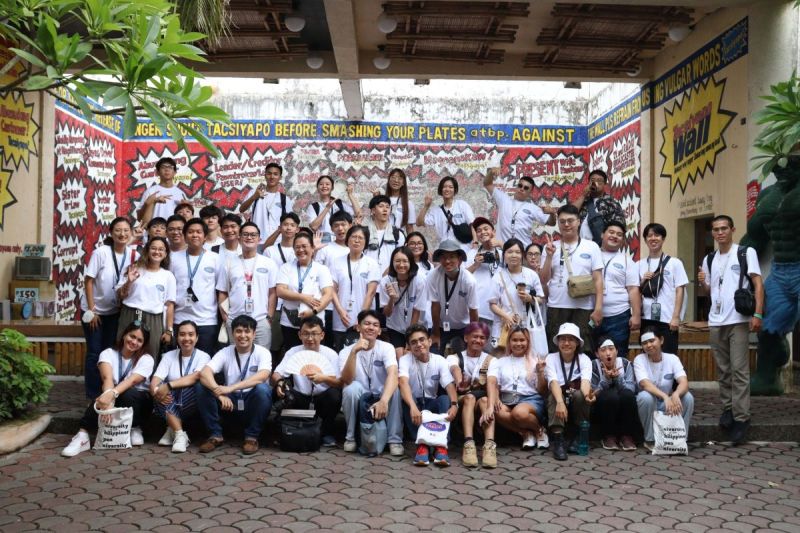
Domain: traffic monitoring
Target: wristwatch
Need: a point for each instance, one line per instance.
(453, 404)
(168, 330)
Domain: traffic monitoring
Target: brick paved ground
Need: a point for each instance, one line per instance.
(749, 488)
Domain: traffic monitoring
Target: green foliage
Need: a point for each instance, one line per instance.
(780, 136)
(130, 55)
(209, 17)
(23, 377)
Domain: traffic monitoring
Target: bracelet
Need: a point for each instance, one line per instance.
(453, 404)
(758, 316)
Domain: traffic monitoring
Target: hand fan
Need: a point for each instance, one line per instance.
(308, 362)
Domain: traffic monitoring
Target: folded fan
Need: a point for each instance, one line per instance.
(309, 362)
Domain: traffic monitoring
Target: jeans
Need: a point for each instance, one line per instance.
(438, 405)
(618, 329)
(327, 405)
(104, 336)
(615, 412)
(138, 399)
(782, 296)
(647, 405)
(731, 348)
(257, 404)
(351, 395)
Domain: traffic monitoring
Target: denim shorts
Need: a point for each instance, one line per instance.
(535, 401)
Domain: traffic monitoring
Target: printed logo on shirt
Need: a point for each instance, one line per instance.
(364, 275)
(669, 377)
(735, 268)
(209, 270)
(435, 378)
(160, 288)
(253, 369)
(458, 216)
(262, 270)
(378, 363)
(526, 211)
(586, 256)
(619, 266)
(463, 294)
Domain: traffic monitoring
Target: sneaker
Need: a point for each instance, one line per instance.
(738, 431)
(726, 420)
(627, 443)
(329, 441)
(350, 446)
(137, 439)
(396, 449)
(469, 457)
(440, 456)
(250, 446)
(528, 441)
(559, 447)
(542, 440)
(489, 458)
(181, 442)
(168, 438)
(649, 444)
(422, 457)
(610, 443)
(79, 443)
(210, 444)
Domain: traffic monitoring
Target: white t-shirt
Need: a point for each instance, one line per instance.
(386, 243)
(204, 311)
(150, 291)
(674, 276)
(425, 316)
(101, 268)
(515, 374)
(662, 374)
(330, 253)
(619, 273)
(523, 214)
(301, 383)
(396, 212)
(371, 365)
(425, 378)
(232, 278)
(483, 277)
(462, 298)
(411, 297)
(173, 366)
(352, 293)
(502, 291)
(226, 361)
(227, 255)
(219, 241)
(167, 209)
(472, 365)
(585, 258)
(317, 277)
(462, 214)
(280, 255)
(723, 310)
(143, 367)
(325, 226)
(267, 212)
(581, 370)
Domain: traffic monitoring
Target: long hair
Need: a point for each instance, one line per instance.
(144, 258)
(403, 193)
(530, 367)
(109, 241)
(412, 264)
(133, 326)
(424, 257)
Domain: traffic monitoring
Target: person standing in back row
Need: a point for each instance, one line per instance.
(517, 214)
(597, 207)
(269, 204)
(160, 200)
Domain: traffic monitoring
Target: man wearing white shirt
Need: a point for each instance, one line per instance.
(175, 224)
(195, 272)
(212, 216)
(484, 262)
(721, 273)
(383, 237)
(453, 294)
(517, 214)
(340, 223)
(230, 233)
(369, 377)
(159, 200)
(622, 301)
(597, 207)
(268, 203)
(572, 256)
(246, 393)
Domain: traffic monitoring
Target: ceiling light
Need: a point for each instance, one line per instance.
(294, 22)
(386, 23)
(314, 61)
(635, 72)
(679, 33)
(381, 61)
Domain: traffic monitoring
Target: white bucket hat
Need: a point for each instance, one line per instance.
(568, 328)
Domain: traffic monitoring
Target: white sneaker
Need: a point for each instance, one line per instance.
(350, 446)
(79, 443)
(167, 439)
(137, 439)
(542, 440)
(529, 441)
(181, 442)
(396, 449)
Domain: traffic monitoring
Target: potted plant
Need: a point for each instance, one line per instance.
(779, 140)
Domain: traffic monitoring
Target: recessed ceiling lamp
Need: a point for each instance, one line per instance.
(381, 61)
(679, 33)
(386, 23)
(315, 61)
(635, 72)
(294, 22)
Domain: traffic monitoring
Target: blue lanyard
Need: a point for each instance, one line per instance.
(243, 371)
(120, 374)
(189, 365)
(193, 271)
(118, 269)
(300, 280)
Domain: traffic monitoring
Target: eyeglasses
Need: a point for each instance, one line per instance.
(567, 221)
(523, 187)
(248, 235)
(534, 254)
(310, 334)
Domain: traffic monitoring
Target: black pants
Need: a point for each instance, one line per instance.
(615, 412)
(138, 399)
(326, 404)
(291, 338)
(662, 330)
(446, 336)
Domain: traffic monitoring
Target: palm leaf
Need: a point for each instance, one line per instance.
(210, 17)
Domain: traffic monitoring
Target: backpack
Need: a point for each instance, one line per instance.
(283, 203)
(744, 299)
(316, 205)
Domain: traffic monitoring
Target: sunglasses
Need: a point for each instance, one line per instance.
(523, 187)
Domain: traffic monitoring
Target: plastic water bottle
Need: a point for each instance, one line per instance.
(583, 438)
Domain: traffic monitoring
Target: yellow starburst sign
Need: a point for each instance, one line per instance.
(7, 198)
(17, 130)
(693, 134)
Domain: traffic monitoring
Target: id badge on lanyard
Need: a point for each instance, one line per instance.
(248, 302)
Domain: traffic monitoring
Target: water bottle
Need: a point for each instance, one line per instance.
(583, 438)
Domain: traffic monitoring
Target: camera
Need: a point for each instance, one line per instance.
(489, 258)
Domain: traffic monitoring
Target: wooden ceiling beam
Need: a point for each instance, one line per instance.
(489, 9)
(538, 62)
(505, 37)
(261, 7)
(600, 42)
(625, 14)
(491, 56)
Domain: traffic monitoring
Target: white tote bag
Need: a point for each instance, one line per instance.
(113, 428)
(433, 430)
(669, 432)
(537, 330)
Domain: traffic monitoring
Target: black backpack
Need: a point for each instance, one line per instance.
(338, 202)
(283, 203)
(744, 299)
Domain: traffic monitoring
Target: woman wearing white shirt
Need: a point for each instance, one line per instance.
(124, 371)
(174, 385)
(418, 245)
(147, 293)
(451, 212)
(403, 214)
(402, 295)
(355, 280)
(99, 304)
(319, 213)
(663, 384)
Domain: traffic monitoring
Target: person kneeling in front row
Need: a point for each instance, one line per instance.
(246, 394)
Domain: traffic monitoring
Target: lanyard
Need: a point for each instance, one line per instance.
(566, 256)
(120, 373)
(243, 372)
(448, 295)
(408, 299)
(368, 370)
(193, 271)
(731, 253)
(350, 273)
(248, 276)
(571, 368)
(118, 268)
(189, 364)
(514, 375)
(422, 376)
(606, 266)
(514, 215)
(280, 251)
(656, 382)
(300, 279)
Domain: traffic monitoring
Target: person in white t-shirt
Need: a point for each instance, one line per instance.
(614, 386)
(663, 384)
(383, 237)
(517, 214)
(147, 293)
(402, 297)
(185, 210)
(195, 271)
(160, 200)
(622, 301)
(175, 224)
(229, 226)
(369, 376)
(318, 213)
(340, 222)
(212, 216)
(268, 204)
(402, 213)
(572, 256)
(282, 252)
(422, 376)
(569, 375)
(721, 273)
(175, 383)
(452, 212)
(453, 294)
(124, 372)
(483, 263)
(246, 393)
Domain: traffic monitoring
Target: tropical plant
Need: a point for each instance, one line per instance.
(110, 57)
(23, 377)
(780, 135)
(209, 17)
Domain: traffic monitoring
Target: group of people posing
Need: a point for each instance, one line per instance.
(208, 314)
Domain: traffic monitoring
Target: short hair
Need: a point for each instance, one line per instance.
(367, 313)
(600, 173)
(166, 161)
(183, 205)
(568, 209)
(176, 218)
(445, 180)
(379, 199)
(412, 264)
(510, 243)
(244, 321)
(652, 329)
(528, 179)
(250, 224)
(534, 245)
(303, 235)
(187, 323)
(324, 177)
(472, 327)
(618, 223)
(416, 328)
(195, 222)
(656, 228)
(600, 340)
(273, 165)
(308, 231)
(723, 217)
(231, 217)
(312, 321)
(340, 216)
(156, 221)
(292, 216)
(353, 229)
(211, 211)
